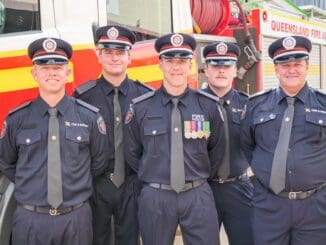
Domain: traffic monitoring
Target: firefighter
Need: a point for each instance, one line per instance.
(117, 190)
(231, 183)
(283, 138)
(176, 139)
(50, 148)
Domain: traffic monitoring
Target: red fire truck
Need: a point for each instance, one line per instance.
(22, 21)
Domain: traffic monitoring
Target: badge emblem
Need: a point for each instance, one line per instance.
(176, 40)
(113, 33)
(101, 125)
(3, 130)
(221, 48)
(49, 45)
(289, 43)
(129, 115)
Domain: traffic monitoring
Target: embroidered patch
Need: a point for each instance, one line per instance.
(129, 115)
(101, 125)
(3, 130)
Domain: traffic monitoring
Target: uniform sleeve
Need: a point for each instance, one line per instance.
(132, 142)
(8, 151)
(247, 140)
(216, 143)
(98, 147)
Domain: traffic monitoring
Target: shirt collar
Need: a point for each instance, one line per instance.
(227, 97)
(166, 97)
(302, 95)
(43, 107)
(108, 87)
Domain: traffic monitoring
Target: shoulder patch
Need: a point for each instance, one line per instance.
(86, 86)
(19, 107)
(3, 129)
(129, 114)
(260, 93)
(88, 106)
(208, 95)
(143, 97)
(144, 85)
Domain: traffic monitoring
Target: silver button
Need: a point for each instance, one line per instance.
(53, 137)
(287, 119)
(79, 138)
(154, 132)
(321, 121)
(28, 141)
(261, 119)
(176, 130)
(118, 119)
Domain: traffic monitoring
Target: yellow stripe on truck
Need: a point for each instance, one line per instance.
(21, 78)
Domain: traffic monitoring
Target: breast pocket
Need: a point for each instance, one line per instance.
(76, 143)
(315, 128)
(155, 136)
(29, 147)
(266, 131)
(236, 117)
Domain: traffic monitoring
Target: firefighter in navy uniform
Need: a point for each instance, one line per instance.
(231, 183)
(112, 93)
(283, 137)
(50, 148)
(176, 139)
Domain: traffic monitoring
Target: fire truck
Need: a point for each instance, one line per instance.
(252, 25)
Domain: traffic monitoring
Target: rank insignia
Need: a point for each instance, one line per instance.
(101, 125)
(3, 130)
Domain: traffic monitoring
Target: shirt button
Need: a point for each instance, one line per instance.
(28, 141)
(117, 119)
(79, 138)
(320, 121)
(176, 130)
(261, 119)
(154, 132)
(53, 137)
(290, 172)
(287, 119)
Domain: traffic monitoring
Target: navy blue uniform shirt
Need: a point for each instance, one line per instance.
(23, 150)
(148, 131)
(306, 163)
(234, 102)
(99, 93)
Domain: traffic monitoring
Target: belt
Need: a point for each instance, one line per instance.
(298, 195)
(51, 211)
(243, 177)
(188, 185)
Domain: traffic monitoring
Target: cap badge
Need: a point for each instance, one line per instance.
(49, 45)
(289, 43)
(176, 40)
(221, 48)
(113, 33)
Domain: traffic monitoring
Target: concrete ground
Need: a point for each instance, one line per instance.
(223, 237)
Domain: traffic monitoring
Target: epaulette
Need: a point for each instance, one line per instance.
(144, 85)
(243, 93)
(213, 97)
(86, 86)
(19, 107)
(260, 93)
(321, 91)
(143, 97)
(88, 106)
